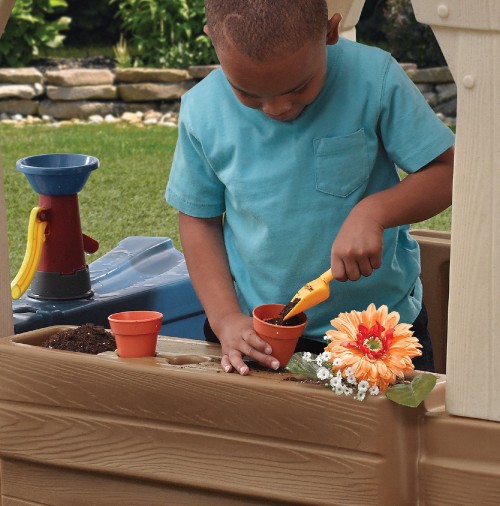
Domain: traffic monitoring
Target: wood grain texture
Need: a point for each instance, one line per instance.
(460, 462)
(209, 460)
(258, 437)
(41, 484)
(470, 39)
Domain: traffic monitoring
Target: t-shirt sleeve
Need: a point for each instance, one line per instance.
(411, 132)
(193, 187)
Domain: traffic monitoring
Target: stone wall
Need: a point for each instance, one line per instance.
(89, 94)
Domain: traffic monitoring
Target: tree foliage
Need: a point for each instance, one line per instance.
(29, 28)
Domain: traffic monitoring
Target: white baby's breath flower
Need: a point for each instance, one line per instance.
(374, 390)
(363, 386)
(307, 356)
(337, 362)
(338, 390)
(326, 356)
(351, 379)
(360, 396)
(347, 390)
(319, 361)
(323, 373)
(336, 382)
(326, 338)
(348, 371)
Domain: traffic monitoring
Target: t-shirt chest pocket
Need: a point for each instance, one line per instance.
(341, 164)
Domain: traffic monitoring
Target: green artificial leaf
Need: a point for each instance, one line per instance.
(299, 365)
(412, 394)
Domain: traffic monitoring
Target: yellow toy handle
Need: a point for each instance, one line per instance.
(36, 238)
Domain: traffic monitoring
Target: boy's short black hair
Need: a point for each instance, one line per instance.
(262, 29)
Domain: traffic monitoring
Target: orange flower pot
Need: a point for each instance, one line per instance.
(282, 338)
(136, 332)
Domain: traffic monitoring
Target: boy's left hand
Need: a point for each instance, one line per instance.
(357, 249)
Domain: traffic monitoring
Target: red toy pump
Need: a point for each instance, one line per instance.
(54, 262)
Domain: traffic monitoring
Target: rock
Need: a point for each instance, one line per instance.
(408, 66)
(152, 91)
(79, 77)
(446, 92)
(431, 75)
(145, 75)
(130, 117)
(136, 107)
(151, 114)
(424, 87)
(201, 71)
(96, 118)
(431, 98)
(102, 92)
(109, 118)
(77, 109)
(26, 91)
(28, 75)
(21, 106)
(448, 108)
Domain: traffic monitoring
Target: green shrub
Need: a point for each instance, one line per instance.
(30, 28)
(409, 40)
(165, 33)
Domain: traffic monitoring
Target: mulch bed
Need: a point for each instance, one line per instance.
(88, 338)
(90, 62)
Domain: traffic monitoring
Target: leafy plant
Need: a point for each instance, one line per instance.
(29, 28)
(409, 40)
(166, 33)
(122, 55)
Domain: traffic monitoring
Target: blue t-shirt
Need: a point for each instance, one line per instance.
(287, 187)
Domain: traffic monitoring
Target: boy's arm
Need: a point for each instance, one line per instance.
(204, 250)
(357, 249)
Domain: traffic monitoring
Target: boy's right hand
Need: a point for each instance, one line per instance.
(238, 339)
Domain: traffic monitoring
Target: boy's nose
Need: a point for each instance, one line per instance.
(276, 107)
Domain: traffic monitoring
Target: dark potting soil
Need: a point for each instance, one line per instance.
(279, 320)
(88, 338)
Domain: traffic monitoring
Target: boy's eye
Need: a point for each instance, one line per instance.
(300, 90)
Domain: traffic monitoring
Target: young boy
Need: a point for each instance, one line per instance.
(286, 165)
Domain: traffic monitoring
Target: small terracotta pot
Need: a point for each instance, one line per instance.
(282, 339)
(136, 332)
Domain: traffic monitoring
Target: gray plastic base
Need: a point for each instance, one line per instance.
(55, 286)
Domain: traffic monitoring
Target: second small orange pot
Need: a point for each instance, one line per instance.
(136, 332)
(282, 338)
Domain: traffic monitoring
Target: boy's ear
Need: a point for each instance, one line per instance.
(206, 31)
(332, 33)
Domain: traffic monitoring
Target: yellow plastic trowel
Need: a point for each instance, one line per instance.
(309, 295)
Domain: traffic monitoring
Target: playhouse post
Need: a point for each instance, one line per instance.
(5, 9)
(6, 320)
(468, 32)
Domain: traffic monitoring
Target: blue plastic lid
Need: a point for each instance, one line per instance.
(57, 173)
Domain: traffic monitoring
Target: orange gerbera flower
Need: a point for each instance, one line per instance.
(374, 345)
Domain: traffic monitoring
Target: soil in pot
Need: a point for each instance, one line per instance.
(88, 338)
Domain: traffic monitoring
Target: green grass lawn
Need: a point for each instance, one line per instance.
(123, 197)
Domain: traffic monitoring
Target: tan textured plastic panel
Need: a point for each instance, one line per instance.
(435, 257)
(193, 427)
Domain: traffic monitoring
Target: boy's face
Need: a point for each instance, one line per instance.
(280, 88)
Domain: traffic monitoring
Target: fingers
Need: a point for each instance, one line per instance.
(252, 346)
(352, 268)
